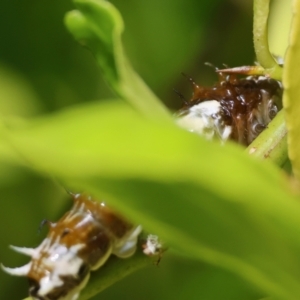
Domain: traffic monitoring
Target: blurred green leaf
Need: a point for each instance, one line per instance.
(98, 25)
(165, 38)
(210, 202)
(291, 82)
(17, 100)
(17, 96)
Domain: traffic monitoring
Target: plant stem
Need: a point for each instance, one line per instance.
(271, 144)
(260, 38)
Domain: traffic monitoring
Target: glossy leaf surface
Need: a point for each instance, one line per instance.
(209, 202)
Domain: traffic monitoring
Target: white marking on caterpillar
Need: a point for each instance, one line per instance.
(80, 242)
(153, 245)
(205, 118)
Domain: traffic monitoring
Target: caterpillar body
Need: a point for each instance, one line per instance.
(234, 108)
(80, 242)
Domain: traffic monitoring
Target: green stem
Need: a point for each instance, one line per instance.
(271, 144)
(260, 38)
(98, 25)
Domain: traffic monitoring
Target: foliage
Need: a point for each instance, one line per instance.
(231, 221)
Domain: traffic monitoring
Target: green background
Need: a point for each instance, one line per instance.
(42, 69)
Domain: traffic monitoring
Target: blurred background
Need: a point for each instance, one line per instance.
(42, 70)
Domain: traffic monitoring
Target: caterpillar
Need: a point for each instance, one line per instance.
(234, 108)
(80, 242)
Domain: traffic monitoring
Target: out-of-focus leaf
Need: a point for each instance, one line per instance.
(291, 82)
(17, 97)
(209, 202)
(164, 38)
(98, 25)
(17, 100)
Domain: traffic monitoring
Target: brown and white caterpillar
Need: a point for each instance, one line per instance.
(80, 242)
(234, 108)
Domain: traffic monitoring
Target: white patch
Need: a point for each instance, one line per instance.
(23, 250)
(205, 119)
(153, 246)
(61, 260)
(21, 271)
(252, 150)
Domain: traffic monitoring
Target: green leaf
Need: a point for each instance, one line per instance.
(291, 82)
(180, 279)
(98, 25)
(114, 270)
(209, 202)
